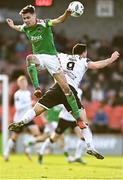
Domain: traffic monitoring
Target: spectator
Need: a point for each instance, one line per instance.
(97, 93)
(111, 97)
(100, 121)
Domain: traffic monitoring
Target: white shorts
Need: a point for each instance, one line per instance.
(50, 62)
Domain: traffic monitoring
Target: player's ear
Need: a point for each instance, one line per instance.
(73, 50)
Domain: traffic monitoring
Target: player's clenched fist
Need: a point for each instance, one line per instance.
(10, 22)
(115, 56)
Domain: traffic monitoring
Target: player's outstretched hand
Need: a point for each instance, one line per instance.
(68, 12)
(115, 56)
(10, 22)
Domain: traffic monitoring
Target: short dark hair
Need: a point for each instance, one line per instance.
(79, 49)
(27, 9)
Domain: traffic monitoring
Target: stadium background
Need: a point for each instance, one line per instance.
(103, 34)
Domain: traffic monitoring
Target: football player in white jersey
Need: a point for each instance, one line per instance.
(74, 66)
(22, 103)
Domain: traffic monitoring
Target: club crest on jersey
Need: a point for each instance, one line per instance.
(39, 29)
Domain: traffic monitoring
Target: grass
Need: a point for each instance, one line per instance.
(0, 143)
(56, 167)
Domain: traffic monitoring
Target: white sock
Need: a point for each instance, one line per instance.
(44, 146)
(80, 149)
(29, 116)
(88, 137)
(10, 145)
(28, 150)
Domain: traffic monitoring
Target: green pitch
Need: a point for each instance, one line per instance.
(56, 167)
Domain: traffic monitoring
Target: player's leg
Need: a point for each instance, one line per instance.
(41, 138)
(49, 141)
(34, 131)
(38, 136)
(32, 64)
(60, 78)
(80, 146)
(79, 152)
(10, 145)
(72, 124)
(87, 134)
(61, 127)
(27, 147)
(28, 117)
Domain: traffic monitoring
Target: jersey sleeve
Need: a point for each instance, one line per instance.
(48, 22)
(87, 61)
(22, 28)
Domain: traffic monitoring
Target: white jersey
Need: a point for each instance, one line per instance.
(64, 114)
(74, 68)
(22, 102)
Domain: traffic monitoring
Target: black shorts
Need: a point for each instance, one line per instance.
(55, 96)
(63, 125)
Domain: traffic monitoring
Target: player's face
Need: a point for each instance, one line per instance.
(29, 19)
(23, 84)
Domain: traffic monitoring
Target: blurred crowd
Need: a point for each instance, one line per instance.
(105, 85)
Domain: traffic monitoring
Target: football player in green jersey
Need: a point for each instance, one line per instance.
(44, 52)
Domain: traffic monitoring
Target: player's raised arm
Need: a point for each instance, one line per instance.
(12, 25)
(103, 63)
(61, 18)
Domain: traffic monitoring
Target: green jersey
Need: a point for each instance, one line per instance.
(41, 37)
(53, 114)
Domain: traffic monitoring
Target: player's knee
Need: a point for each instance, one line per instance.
(38, 112)
(30, 59)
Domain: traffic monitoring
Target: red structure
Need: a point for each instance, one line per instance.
(43, 2)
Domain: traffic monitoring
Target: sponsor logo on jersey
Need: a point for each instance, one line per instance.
(36, 38)
(72, 59)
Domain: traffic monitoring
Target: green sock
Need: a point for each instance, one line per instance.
(33, 75)
(73, 104)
